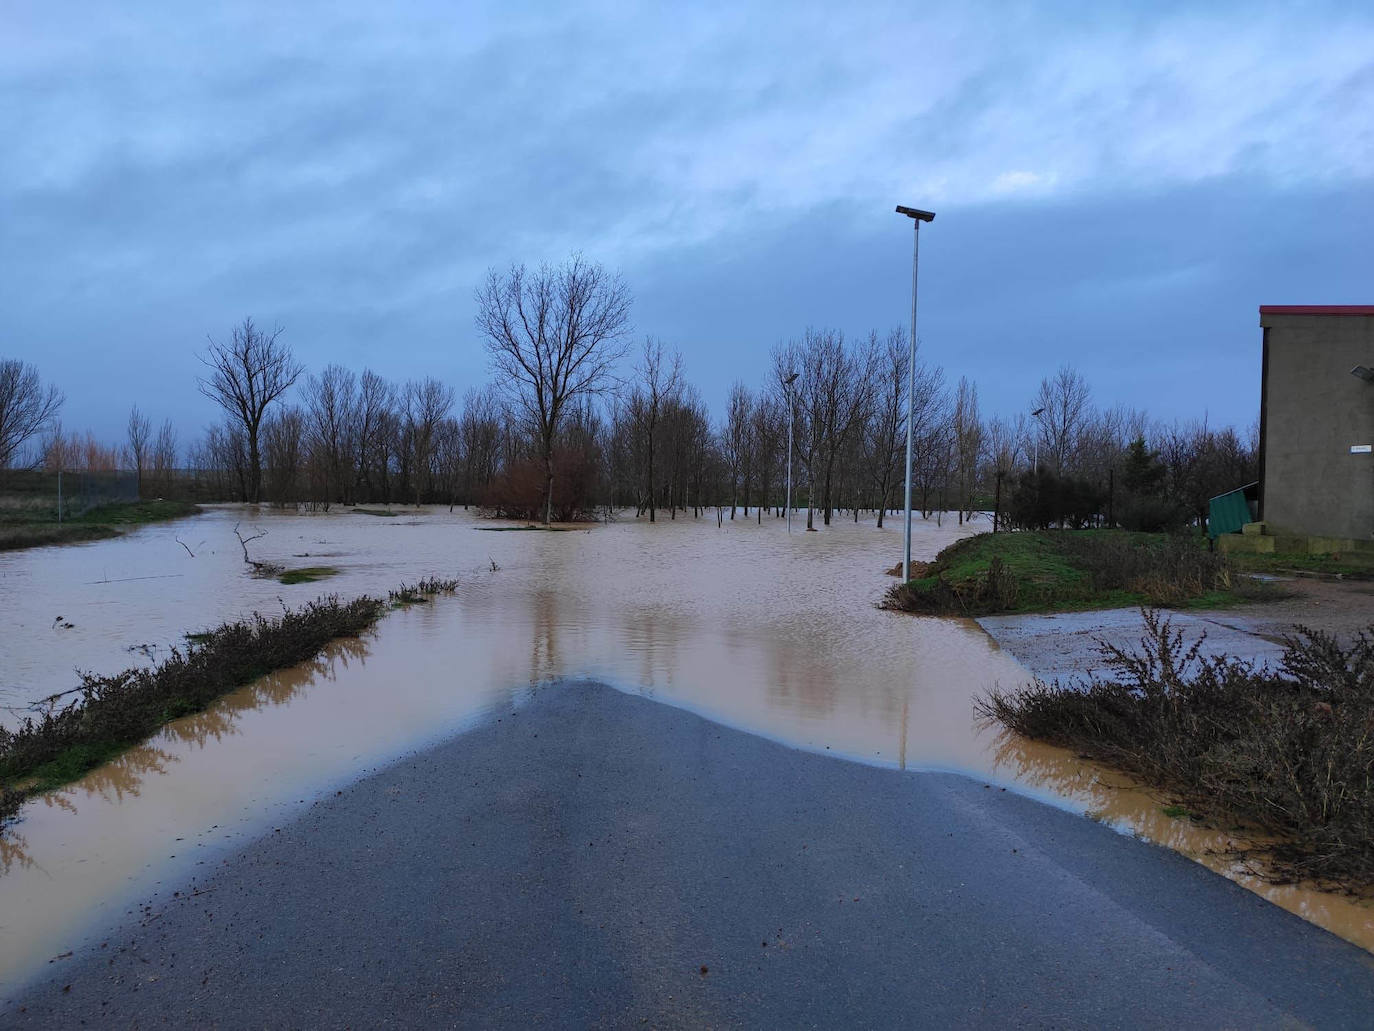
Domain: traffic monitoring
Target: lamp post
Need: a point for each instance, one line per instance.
(917, 216)
(1036, 416)
(791, 421)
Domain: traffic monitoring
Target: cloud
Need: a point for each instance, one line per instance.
(351, 169)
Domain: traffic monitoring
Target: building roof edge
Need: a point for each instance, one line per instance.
(1316, 309)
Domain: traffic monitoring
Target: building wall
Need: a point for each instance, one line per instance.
(1314, 411)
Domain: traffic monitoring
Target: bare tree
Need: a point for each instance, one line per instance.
(553, 337)
(247, 374)
(480, 432)
(832, 391)
(736, 442)
(140, 429)
(932, 442)
(1064, 404)
(283, 436)
(1005, 443)
(967, 433)
(164, 458)
(659, 381)
(769, 445)
(886, 430)
(331, 399)
(372, 422)
(427, 404)
(26, 407)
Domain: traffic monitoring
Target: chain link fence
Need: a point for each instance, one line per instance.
(30, 495)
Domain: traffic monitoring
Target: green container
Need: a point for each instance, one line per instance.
(1227, 513)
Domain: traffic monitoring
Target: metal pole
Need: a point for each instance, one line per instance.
(791, 421)
(59, 497)
(911, 399)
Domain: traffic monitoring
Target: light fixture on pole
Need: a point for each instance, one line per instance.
(917, 216)
(791, 421)
(1036, 416)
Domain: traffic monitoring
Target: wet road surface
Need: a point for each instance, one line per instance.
(598, 859)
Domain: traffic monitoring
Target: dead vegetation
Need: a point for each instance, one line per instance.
(108, 714)
(421, 592)
(1285, 756)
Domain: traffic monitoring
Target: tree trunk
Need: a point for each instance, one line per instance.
(548, 485)
(254, 467)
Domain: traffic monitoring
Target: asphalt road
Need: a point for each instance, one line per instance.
(602, 860)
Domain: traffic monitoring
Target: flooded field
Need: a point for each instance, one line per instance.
(744, 624)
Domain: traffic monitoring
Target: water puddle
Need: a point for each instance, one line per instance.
(744, 624)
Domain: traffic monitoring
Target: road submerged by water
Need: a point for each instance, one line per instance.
(598, 859)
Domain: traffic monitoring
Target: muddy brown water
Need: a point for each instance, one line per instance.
(744, 624)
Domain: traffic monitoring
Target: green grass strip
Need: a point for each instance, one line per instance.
(110, 714)
(1068, 570)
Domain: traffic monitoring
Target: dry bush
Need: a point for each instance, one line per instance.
(518, 492)
(111, 712)
(1287, 753)
(1167, 572)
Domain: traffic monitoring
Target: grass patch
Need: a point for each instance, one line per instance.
(16, 537)
(522, 529)
(307, 574)
(386, 513)
(136, 513)
(1066, 570)
(1286, 754)
(35, 529)
(1353, 566)
(112, 713)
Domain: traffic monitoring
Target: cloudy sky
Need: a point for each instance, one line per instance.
(1118, 186)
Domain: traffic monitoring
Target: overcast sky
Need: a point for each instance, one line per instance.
(1116, 190)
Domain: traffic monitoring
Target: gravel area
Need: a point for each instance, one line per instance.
(1064, 645)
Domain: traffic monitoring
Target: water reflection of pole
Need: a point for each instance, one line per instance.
(791, 421)
(906, 713)
(917, 216)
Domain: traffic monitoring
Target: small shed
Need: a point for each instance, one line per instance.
(1227, 513)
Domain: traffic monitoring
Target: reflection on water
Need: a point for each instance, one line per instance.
(745, 624)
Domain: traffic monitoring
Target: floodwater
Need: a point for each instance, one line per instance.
(744, 624)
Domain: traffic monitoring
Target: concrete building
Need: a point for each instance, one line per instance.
(1317, 422)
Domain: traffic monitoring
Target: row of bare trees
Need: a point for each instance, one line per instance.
(566, 430)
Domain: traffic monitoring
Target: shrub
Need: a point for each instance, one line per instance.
(1151, 514)
(1040, 499)
(110, 713)
(1288, 753)
(518, 492)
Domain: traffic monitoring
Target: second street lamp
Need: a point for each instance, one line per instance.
(917, 216)
(791, 420)
(1036, 416)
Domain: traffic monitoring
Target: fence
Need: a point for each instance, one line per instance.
(33, 495)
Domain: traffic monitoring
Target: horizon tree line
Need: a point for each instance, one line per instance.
(559, 435)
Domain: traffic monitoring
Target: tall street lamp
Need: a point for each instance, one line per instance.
(917, 216)
(791, 421)
(1036, 416)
